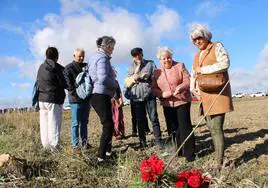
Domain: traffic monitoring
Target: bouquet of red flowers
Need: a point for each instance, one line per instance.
(193, 179)
(152, 170)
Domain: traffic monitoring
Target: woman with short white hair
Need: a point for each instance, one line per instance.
(171, 84)
(211, 62)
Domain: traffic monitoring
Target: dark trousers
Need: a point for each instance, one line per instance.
(151, 109)
(178, 119)
(102, 105)
(140, 115)
(134, 121)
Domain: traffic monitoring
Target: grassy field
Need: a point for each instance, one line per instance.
(246, 161)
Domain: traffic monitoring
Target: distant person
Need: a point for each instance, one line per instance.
(118, 116)
(211, 58)
(51, 98)
(171, 84)
(138, 84)
(104, 88)
(79, 107)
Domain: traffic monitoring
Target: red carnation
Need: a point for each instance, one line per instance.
(194, 181)
(196, 173)
(184, 174)
(180, 184)
(151, 168)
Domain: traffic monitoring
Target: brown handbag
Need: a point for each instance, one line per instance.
(211, 82)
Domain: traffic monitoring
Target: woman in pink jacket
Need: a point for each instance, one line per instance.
(171, 84)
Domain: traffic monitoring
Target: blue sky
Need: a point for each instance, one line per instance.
(26, 32)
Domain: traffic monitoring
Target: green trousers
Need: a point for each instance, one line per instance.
(215, 125)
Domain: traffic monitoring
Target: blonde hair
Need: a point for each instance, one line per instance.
(163, 49)
(199, 30)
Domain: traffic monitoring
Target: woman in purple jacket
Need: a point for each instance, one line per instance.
(104, 87)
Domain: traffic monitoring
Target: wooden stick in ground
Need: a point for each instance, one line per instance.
(176, 153)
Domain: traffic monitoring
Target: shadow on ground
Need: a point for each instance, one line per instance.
(205, 145)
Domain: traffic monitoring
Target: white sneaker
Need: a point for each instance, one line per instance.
(108, 154)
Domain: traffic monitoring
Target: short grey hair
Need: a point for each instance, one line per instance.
(105, 41)
(79, 50)
(163, 49)
(199, 30)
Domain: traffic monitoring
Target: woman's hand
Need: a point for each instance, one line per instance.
(166, 94)
(196, 93)
(178, 90)
(198, 70)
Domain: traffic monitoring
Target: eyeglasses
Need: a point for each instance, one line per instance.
(197, 38)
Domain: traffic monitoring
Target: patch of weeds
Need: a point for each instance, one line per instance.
(2, 179)
(103, 172)
(6, 129)
(137, 182)
(29, 169)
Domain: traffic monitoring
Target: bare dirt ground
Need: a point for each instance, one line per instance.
(246, 156)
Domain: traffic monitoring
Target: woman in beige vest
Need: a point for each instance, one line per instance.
(212, 58)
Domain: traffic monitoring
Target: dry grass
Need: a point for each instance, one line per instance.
(246, 163)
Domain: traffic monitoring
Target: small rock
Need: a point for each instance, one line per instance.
(4, 158)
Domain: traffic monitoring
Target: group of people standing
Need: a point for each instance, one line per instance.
(171, 83)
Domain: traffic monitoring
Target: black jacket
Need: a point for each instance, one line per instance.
(51, 82)
(70, 73)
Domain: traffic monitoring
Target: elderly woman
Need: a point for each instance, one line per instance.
(212, 58)
(104, 88)
(171, 84)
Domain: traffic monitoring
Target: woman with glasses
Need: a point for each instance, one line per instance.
(211, 58)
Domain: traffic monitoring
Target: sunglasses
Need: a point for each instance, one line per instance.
(197, 38)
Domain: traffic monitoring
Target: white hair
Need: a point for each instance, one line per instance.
(161, 50)
(79, 50)
(199, 30)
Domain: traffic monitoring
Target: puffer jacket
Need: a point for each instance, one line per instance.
(102, 74)
(142, 90)
(51, 82)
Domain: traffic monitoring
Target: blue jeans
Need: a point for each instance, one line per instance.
(80, 113)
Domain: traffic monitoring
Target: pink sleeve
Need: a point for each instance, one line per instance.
(185, 78)
(155, 89)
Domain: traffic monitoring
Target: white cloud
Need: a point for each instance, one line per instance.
(162, 22)
(14, 102)
(10, 62)
(21, 86)
(82, 22)
(209, 8)
(29, 69)
(255, 79)
(26, 69)
(12, 28)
